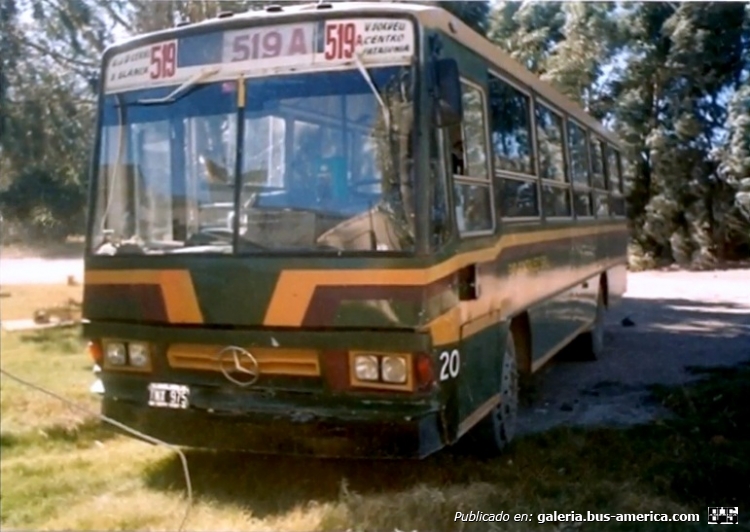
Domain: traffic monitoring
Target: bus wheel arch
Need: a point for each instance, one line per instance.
(493, 433)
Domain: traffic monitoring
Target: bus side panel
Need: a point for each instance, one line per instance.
(554, 320)
(481, 351)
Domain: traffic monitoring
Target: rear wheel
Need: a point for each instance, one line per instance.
(496, 431)
(588, 346)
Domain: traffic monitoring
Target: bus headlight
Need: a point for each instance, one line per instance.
(139, 355)
(366, 367)
(116, 354)
(394, 369)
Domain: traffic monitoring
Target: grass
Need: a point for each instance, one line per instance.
(60, 470)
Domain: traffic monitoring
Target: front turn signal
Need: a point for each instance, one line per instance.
(95, 351)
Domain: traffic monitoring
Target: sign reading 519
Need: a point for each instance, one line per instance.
(341, 39)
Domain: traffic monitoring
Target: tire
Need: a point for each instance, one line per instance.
(493, 434)
(589, 346)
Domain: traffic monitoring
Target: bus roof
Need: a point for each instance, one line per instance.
(431, 17)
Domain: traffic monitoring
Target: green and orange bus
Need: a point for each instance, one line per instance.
(340, 229)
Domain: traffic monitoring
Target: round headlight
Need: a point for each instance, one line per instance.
(366, 367)
(394, 369)
(116, 354)
(139, 355)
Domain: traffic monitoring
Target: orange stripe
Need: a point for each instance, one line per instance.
(176, 286)
(295, 288)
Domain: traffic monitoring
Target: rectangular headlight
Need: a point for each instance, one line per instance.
(366, 368)
(393, 369)
(116, 354)
(139, 354)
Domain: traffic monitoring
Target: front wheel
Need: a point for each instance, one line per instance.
(493, 434)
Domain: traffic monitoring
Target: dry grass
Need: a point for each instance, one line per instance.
(62, 471)
(23, 300)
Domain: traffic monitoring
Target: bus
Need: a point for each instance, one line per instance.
(340, 229)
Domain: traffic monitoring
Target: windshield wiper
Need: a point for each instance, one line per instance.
(368, 79)
(179, 91)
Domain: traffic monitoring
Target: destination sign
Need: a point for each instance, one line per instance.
(262, 51)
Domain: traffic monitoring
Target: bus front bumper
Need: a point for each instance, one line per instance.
(330, 433)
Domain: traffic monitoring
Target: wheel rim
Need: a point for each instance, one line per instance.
(508, 409)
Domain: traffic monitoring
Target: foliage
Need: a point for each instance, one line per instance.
(672, 79)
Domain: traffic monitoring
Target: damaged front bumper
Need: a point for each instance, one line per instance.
(295, 424)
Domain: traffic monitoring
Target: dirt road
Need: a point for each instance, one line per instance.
(682, 319)
(39, 271)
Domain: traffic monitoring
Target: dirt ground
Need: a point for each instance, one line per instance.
(682, 320)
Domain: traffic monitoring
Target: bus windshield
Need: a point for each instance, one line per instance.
(324, 165)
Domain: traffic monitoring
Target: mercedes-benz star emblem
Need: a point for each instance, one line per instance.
(238, 365)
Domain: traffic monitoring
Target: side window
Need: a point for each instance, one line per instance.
(601, 197)
(549, 134)
(614, 170)
(551, 146)
(579, 170)
(510, 133)
(616, 189)
(471, 180)
(597, 163)
(516, 191)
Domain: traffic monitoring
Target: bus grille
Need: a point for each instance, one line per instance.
(271, 360)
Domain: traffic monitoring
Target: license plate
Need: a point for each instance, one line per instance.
(162, 395)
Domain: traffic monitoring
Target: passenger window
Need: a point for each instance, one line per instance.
(616, 188)
(549, 132)
(582, 203)
(473, 144)
(473, 207)
(556, 201)
(469, 160)
(578, 155)
(517, 198)
(601, 204)
(617, 206)
(614, 170)
(597, 164)
(511, 134)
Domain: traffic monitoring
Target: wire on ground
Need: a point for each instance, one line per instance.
(121, 426)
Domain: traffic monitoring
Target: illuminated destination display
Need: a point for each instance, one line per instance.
(261, 51)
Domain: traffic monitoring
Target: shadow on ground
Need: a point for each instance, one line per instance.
(547, 468)
(269, 485)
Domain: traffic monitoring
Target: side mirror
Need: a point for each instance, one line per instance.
(449, 105)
